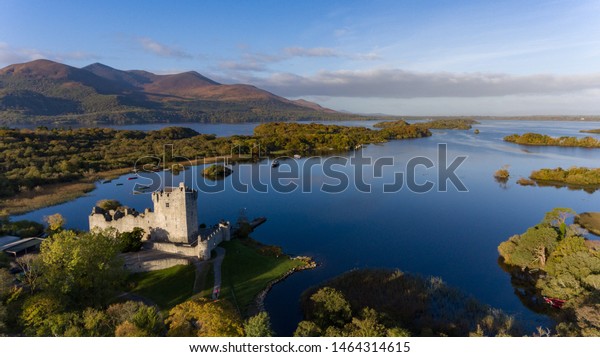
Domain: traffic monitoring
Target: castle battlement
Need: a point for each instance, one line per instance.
(171, 225)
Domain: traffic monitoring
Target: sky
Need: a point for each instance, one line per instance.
(402, 57)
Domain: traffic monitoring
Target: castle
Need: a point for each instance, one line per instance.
(171, 227)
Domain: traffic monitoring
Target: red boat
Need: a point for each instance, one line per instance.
(132, 178)
(555, 303)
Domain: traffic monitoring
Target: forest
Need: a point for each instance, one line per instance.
(383, 302)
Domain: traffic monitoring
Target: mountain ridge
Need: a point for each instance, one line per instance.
(43, 91)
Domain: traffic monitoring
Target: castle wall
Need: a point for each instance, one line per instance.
(126, 223)
(172, 227)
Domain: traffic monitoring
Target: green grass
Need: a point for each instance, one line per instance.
(208, 281)
(166, 287)
(245, 272)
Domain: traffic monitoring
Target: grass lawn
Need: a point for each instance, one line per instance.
(245, 272)
(166, 287)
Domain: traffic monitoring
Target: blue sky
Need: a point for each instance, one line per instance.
(398, 57)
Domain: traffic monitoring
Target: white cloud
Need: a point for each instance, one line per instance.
(397, 83)
(161, 49)
(10, 55)
(258, 62)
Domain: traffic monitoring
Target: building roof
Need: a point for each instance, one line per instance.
(4, 240)
(21, 245)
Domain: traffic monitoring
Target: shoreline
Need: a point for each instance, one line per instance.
(62, 192)
(258, 304)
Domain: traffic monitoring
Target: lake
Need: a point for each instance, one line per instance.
(450, 234)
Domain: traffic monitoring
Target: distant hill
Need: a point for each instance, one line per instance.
(44, 92)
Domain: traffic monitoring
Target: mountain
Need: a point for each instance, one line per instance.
(43, 91)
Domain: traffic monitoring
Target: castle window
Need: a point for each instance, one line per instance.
(167, 204)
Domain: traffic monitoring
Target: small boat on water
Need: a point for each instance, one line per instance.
(132, 178)
(107, 181)
(119, 184)
(275, 163)
(297, 157)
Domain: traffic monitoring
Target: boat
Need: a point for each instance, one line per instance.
(275, 163)
(132, 178)
(297, 157)
(119, 184)
(107, 181)
(554, 302)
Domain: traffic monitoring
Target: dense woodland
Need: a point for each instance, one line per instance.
(379, 303)
(555, 260)
(545, 140)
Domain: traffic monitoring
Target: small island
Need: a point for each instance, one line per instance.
(216, 172)
(534, 139)
(591, 131)
(556, 271)
(589, 221)
(581, 178)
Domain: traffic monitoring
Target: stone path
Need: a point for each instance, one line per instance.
(217, 262)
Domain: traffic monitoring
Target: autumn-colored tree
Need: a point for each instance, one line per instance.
(202, 317)
(56, 223)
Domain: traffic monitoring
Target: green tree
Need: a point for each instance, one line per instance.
(96, 323)
(258, 325)
(131, 241)
(6, 283)
(557, 218)
(84, 268)
(329, 307)
(367, 325)
(37, 313)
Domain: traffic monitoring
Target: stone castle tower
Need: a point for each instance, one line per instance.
(171, 227)
(175, 215)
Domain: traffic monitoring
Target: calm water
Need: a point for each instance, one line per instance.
(449, 234)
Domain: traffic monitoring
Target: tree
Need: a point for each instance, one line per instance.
(133, 318)
(55, 222)
(557, 218)
(32, 272)
(84, 269)
(129, 329)
(258, 325)
(329, 307)
(367, 325)
(96, 323)
(37, 312)
(307, 329)
(6, 284)
(202, 317)
(131, 241)
(3, 315)
(108, 205)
